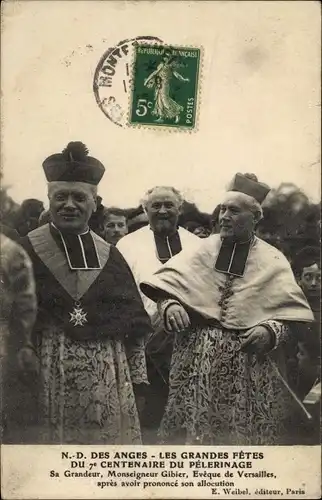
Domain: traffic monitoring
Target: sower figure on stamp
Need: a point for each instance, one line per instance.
(230, 304)
(145, 250)
(89, 313)
(165, 106)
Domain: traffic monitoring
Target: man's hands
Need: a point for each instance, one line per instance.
(257, 340)
(176, 318)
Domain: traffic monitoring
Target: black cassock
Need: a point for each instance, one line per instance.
(90, 313)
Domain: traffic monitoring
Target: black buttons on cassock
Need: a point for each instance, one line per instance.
(226, 294)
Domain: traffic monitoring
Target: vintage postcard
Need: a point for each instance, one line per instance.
(160, 249)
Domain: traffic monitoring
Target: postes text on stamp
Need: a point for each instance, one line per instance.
(165, 84)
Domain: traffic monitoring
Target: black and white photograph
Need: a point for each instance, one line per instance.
(160, 249)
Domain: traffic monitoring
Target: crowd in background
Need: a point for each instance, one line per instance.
(291, 223)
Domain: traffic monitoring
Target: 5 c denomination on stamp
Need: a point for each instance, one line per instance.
(165, 86)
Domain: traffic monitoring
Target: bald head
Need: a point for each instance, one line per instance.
(247, 202)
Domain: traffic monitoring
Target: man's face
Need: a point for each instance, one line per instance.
(163, 211)
(310, 280)
(115, 228)
(71, 206)
(236, 220)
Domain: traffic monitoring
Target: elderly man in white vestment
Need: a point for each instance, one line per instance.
(230, 303)
(145, 251)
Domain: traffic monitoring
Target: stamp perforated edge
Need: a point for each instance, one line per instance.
(169, 128)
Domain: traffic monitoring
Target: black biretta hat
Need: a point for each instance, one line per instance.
(248, 184)
(73, 165)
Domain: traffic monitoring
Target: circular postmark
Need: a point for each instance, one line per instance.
(112, 78)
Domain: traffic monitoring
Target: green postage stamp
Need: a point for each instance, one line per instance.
(165, 86)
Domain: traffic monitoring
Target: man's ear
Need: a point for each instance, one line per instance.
(95, 200)
(257, 217)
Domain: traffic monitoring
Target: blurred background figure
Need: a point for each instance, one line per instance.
(28, 214)
(8, 207)
(115, 224)
(307, 270)
(8, 210)
(197, 229)
(44, 218)
(291, 222)
(195, 221)
(10, 232)
(298, 201)
(136, 218)
(215, 226)
(19, 363)
(96, 222)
